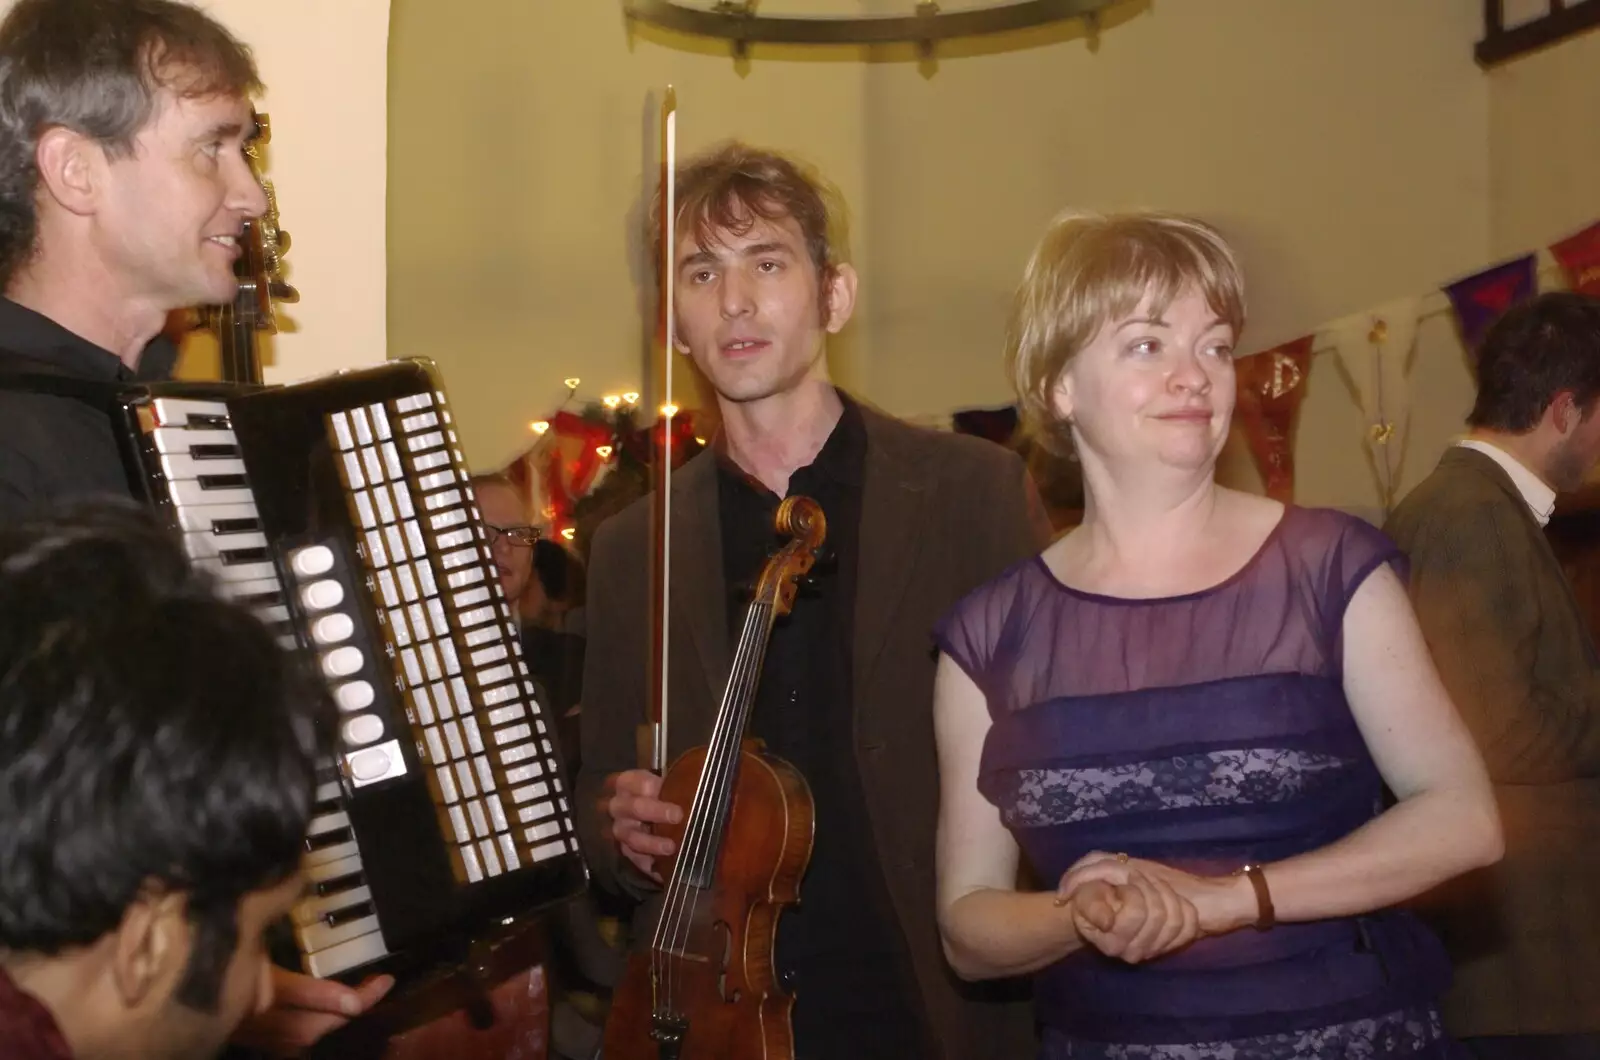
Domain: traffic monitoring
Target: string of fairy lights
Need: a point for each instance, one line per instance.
(605, 424)
(612, 402)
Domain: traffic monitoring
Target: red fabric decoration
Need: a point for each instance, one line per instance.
(1579, 257)
(570, 462)
(1270, 391)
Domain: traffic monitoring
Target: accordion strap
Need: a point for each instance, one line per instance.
(96, 394)
(19, 373)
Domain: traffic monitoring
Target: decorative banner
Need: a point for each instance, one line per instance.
(572, 458)
(997, 425)
(1374, 346)
(1481, 298)
(1579, 258)
(1270, 390)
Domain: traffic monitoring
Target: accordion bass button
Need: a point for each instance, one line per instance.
(319, 596)
(341, 662)
(312, 561)
(369, 764)
(330, 629)
(354, 695)
(365, 729)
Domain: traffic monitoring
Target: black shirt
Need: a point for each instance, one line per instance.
(56, 447)
(840, 949)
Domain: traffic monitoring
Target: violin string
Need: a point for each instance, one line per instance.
(691, 855)
(700, 849)
(724, 740)
(721, 788)
(677, 909)
(746, 703)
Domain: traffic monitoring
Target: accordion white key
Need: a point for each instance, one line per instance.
(339, 509)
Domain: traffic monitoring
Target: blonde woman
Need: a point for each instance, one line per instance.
(1187, 709)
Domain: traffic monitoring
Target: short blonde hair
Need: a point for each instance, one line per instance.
(1089, 270)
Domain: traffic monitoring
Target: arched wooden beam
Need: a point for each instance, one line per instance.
(738, 22)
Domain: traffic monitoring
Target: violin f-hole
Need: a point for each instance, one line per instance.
(721, 929)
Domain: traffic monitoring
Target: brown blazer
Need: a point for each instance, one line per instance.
(1514, 652)
(940, 514)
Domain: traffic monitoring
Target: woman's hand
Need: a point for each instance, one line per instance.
(1158, 909)
(1135, 920)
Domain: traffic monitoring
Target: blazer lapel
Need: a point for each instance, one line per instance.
(699, 597)
(894, 493)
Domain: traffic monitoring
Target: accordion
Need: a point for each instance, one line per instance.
(339, 510)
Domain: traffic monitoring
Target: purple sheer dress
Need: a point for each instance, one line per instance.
(1204, 731)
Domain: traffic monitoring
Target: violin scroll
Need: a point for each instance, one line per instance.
(801, 519)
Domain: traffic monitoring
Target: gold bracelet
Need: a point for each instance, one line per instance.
(1266, 916)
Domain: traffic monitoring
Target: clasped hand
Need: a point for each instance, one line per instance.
(1137, 910)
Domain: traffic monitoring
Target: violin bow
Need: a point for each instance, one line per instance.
(661, 537)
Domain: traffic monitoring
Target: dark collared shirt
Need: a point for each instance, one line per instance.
(841, 949)
(55, 447)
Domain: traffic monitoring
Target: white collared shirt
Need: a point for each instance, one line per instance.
(1540, 498)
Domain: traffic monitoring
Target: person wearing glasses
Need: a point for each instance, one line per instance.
(540, 579)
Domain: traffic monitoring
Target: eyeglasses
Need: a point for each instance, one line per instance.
(519, 536)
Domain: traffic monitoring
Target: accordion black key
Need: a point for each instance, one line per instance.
(339, 510)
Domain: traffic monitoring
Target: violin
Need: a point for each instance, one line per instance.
(706, 988)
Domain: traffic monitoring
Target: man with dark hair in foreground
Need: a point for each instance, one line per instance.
(157, 773)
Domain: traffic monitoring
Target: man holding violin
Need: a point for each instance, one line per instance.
(915, 519)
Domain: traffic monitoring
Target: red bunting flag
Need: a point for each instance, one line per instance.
(1271, 386)
(1579, 258)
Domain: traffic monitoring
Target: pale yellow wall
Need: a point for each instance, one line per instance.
(1544, 145)
(1544, 149)
(517, 135)
(1340, 143)
(325, 64)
